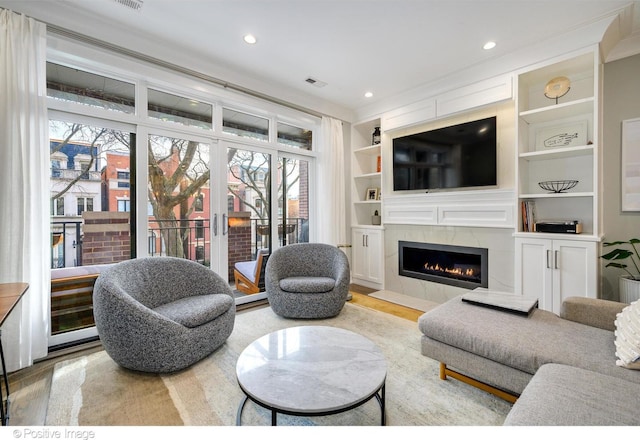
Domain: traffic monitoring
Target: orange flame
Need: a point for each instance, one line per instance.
(454, 271)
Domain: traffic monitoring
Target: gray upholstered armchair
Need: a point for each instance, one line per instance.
(161, 314)
(307, 280)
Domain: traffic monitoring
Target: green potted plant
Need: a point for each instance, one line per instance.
(626, 258)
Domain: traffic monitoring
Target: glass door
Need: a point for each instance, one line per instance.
(293, 200)
(92, 214)
(247, 224)
(178, 213)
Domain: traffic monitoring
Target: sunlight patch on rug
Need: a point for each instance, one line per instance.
(68, 377)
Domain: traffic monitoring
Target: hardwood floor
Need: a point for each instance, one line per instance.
(30, 387)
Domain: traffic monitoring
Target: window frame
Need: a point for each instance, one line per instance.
(143, 75)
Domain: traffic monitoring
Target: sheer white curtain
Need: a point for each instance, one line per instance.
(24, 191)
(331, 184)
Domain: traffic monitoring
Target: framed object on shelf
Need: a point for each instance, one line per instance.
(630, 161)
(568, 134)
(372, 194)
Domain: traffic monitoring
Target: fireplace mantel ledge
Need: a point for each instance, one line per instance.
(475, 208)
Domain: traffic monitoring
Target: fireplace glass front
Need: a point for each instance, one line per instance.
(460, 266)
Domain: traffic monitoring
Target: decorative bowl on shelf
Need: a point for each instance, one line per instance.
(557, 186)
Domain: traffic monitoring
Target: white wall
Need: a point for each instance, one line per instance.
(621, 101)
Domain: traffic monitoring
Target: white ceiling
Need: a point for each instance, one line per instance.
(387, 47)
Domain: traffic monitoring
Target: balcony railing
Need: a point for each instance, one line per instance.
(189, 239)
(67, 174)
(295, 231)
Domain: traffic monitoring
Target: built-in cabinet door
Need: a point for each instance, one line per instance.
(575, 270)
(367, 259)
(553, 270)
(533, 270)
(374, 253)
(359, 255)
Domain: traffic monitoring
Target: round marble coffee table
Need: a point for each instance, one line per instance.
(311, 371)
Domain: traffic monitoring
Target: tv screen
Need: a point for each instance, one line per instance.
(458, 156)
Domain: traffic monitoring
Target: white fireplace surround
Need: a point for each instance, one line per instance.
(492, 208)
(480, 218)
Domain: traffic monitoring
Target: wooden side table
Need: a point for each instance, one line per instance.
(10, 295)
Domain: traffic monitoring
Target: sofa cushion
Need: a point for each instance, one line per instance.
(307, 284)
(193, 311)
(559, 395)
(628, 336)
(523, 343)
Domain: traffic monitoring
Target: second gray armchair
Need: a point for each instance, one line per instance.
(307, 280)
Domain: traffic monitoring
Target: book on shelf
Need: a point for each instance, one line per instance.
(528, 215)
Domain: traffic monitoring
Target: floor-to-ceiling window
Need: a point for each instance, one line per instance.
(170, 166)
(258, 222)
(90, 179)
(294, 173)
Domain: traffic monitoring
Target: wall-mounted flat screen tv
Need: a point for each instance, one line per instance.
(458, 156)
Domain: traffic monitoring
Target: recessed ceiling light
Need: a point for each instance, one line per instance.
(368, 94)
(250, 39)
(489, 45)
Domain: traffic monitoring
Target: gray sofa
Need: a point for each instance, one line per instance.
(541, 362)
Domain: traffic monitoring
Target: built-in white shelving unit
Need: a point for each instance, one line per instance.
(558, 139)
(366, 183)
(366, 176)
(540, 120)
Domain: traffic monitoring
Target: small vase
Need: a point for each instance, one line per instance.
(375, 137)
(629, 290)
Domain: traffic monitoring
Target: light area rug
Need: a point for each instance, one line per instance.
(94, 391)
(404, 300)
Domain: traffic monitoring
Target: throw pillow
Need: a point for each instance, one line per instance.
(628, 336)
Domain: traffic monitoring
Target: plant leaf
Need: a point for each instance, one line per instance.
(617, 254)
(618, 265)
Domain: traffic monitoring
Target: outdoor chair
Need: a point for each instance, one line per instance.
(249, 275)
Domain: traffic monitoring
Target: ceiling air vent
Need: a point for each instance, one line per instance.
(315, 82)
(132, 4)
